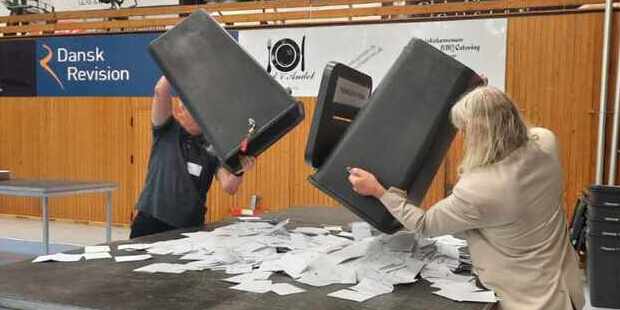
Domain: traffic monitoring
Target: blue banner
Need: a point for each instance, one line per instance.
(116, 65)
(97, 66)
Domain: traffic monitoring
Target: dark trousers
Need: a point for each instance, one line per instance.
(144, 224)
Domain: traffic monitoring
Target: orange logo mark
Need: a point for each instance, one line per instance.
(44, 62)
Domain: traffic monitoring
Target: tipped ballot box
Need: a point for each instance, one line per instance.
(343, 92)
(401, 134)
(240, 108)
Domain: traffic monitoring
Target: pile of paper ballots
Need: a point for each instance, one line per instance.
(250, 252)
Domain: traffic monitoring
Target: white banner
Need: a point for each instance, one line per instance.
(73, 5)
(296, 57)
(78, 5)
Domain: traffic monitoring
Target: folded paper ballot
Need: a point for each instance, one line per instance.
(98, 255)
(283, 289)
(97, 249)
(59, 257)
(131, 258)
(239, 106)
(134, 246)
(401, 134)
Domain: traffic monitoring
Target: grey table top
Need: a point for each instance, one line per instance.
(27, 187)
(103, 284)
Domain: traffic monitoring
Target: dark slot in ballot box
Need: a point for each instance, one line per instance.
(228, 93)
(401, 134)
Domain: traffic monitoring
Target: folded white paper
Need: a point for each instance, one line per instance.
(132, 258)
(101, 255)
(261, 286)
(97, 249)
(285, 289)
(351, 295)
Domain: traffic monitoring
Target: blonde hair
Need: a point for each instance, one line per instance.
(492, 126)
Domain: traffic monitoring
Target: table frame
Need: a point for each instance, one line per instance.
(44, 195)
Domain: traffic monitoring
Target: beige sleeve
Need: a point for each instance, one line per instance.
(449, 216)
(546, 139)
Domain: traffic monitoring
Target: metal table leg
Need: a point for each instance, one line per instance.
(108, 233)
(46, 221)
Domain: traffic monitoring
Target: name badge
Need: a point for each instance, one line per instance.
(194, 169)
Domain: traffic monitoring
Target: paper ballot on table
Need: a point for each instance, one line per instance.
(96, 249)
(59, 257)
(355, 250)
(134, 246)
(252, 276)
(351, 295)
(311, 230)
(373, 286)
(360, 230)
(239, 268)
(276, 227)
(294, 265)
(271, 265)
(285, 289)
(346, 234)
(260, 286)
(334, 228)
(131, 258)
(163, 268)
(459, 295)
(100, 255)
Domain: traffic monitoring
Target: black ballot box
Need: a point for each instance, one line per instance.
(401, 134)
(343, 92)
(240, 108)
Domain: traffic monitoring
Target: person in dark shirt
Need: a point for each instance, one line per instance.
(180, 170)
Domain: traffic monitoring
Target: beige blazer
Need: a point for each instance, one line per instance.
(512, 217)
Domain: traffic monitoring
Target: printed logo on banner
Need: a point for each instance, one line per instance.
(453, 46)
(45, 64)
(286, 59)
(117, 65)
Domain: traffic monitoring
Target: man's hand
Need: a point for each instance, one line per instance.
(161, 108)
(163, 87)
(247, 163)
(230, 182)
(365, 183)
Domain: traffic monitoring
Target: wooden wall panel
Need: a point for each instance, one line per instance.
(69, 138)
(552, 73)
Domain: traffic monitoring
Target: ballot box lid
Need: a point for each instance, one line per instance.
(342, 93)
(228, 93)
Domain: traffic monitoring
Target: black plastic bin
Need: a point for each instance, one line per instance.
(604, 195)
(603, 246)
(604, 270)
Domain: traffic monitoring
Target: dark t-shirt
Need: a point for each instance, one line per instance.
(179, 175)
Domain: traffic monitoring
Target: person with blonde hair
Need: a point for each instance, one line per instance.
(507, 204)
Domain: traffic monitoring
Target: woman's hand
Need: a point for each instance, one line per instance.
(365, 183)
